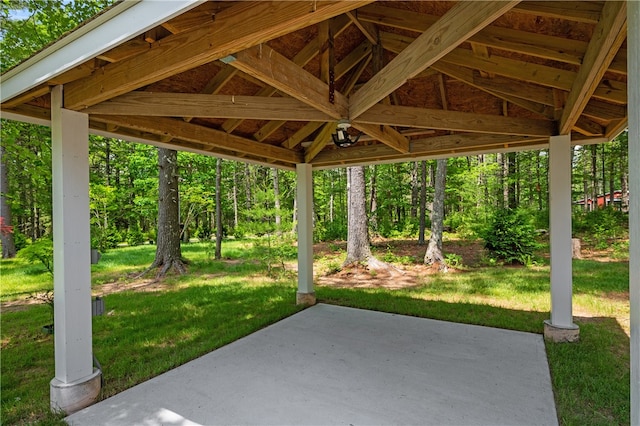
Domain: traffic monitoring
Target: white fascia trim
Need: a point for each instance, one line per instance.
(106, 31)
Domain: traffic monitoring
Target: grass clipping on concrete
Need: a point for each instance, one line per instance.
(153, 326)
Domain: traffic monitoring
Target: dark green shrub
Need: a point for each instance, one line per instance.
(601, 225)
(510, 236)
(20, 240)
(105, 239)
(330, 231)
(135, 237)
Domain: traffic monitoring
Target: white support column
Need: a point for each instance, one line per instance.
(633, 90)
(76, 384)
(306, 294)
(561, 327)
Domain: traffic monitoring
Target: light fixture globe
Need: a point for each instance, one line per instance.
(341, 137)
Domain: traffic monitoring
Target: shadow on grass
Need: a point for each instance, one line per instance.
(141, 335)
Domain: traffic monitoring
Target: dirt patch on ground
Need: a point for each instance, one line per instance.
(410, 273)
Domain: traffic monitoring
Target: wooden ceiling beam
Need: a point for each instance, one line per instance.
(588, 127)
(180, 129)
(449, 145)
(462, 21)
(301, 135)
(369, 30)
(608, 36)
(322, 139)
(467, 76)
(385, 134)
(238, 27)
(607, 90)
(269, 66)
(580, 11)
(153, 104)
(404, 116)
(604, 111)
(509, 86)
(525, 42)
(336, 26)
(32, 94)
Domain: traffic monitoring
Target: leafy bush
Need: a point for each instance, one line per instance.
(510, 236)
(20, 240)
(601, 224)
(40, 251)
(104, 239)
(330, 231)
(135, 237)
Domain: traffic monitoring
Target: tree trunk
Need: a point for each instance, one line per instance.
(276, 196)
(594, 174)
(168, 250)
(6, 235)
(235, 197)
(218, 250)
(415, 190)
(434, 255)
(358, 249)
(423, 202)
(247, 186)
(373, 200)
(512, 179)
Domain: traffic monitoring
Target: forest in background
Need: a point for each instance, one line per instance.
(257, 200)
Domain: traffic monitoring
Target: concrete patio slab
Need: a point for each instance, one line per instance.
(333, 365)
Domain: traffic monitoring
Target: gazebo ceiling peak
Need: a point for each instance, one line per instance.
(268, 81)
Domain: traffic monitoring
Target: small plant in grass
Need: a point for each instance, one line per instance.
(42, 252)
(47, 298)
(510, 236)
(453, 260)
(391, 257)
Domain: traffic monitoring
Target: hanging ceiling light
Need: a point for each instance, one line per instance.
(341, 137)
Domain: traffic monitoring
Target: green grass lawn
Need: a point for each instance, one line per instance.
(147, 333)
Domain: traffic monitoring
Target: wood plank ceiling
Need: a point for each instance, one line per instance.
(268, 81)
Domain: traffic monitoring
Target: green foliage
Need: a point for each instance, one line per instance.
(39, 252)
(330, 231)
(105, 239)
(20, 240)
(390, 257)
(135, 237)
(273, 252)
(38, 23)
(510, 236)
(453, 260)
(601, 225)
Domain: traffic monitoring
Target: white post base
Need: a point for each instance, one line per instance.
(305, 298)
(556, 334)
(71, 397)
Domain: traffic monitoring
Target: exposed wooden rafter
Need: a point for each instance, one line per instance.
(180, 129)
(609, 34)
(241, 26)
(456, 121)
(269, 66)
(208, 106)
(460, 22)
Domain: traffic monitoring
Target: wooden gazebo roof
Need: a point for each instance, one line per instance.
(267, 82)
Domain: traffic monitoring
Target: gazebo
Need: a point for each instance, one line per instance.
(306, 85)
